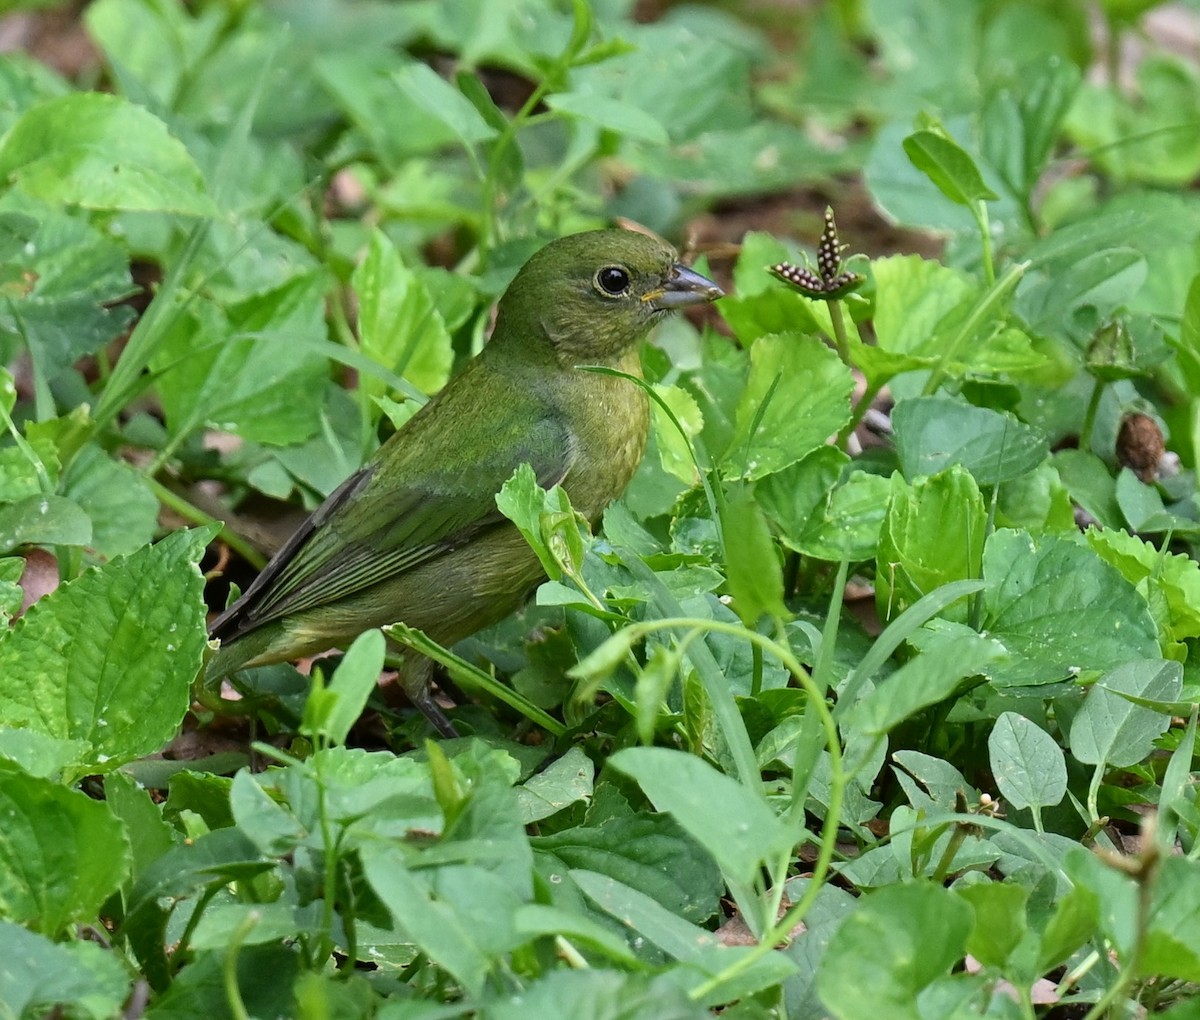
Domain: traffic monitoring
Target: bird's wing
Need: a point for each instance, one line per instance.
(395, 513)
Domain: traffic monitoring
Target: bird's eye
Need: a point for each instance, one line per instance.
(613, 280)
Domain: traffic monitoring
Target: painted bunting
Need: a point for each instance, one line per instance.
(415, 535)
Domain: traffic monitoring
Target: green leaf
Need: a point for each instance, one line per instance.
(1172, 948)
(61, 855)
(116, 497)
(331, 710)
(821, 511)
(754, 573)
(945, 660)
(600, 994)
(44, 520)
(611, 115)
(102, 152)
(933, 433)
(932, 534)
(1110, 729)
(565, 781)
(436, 97)
(110, 656)
(39, 975)
(1059, 610)
(269, 825)
(1175, 576)
(1027, 764)
(249, 368)
(545, 518)
(1090, 484)
(896, 942)
(999, 920)
(648, 852)
(461, 916)
(797, 396)
(399, 325)
(674, 450)
(149, 835)
(949, 166)
(741, 837)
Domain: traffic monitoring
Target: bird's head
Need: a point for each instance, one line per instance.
(595, 295)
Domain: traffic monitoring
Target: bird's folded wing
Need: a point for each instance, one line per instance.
(391, 516)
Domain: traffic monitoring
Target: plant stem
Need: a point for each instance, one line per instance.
(1089, 416)
(189, 511)
(839, 330)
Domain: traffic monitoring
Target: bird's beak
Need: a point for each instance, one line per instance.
(683, 287)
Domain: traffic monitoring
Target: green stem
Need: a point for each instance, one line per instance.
(979, 211)
(233, 994)
(837, 786)
(839, 330)
(189, 511)
(990, 304)
(1089, 416)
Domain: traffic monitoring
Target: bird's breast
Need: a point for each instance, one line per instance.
(610, 419)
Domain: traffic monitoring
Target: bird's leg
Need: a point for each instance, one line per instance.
(414, 681)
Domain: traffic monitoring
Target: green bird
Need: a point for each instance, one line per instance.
(414, 536)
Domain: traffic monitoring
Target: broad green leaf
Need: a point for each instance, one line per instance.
(999, 920)
(1172, 948)
(39, 975)
(600, 994)
(214, 858)
(932, 534)
(149, 835)
(674, 450)
(269, 825)
(1187, 346)
(332, 709)
(73, 279)
(436, 97)
(534, 510)
(896, 942)
(1074, 300)
(1109, 729)
(647, 851)
(1090, 484)
(913, 297)
(102, 152)
(946, 659)
(808, 390)
(1036, 501)
(741, 837)
(760, 304)
(948, 165)
(565, 781)
(399, 325)
(611, 115)
(1175, 575)
(1059, 610)
(1028, 766)
(247, 368)
(38, 753)
(110, 656)
(44, 520)
(933, 433)
(116, 497)
(61, 856)
(460, 915)
(752, 566)
(823, 512)
(683, 941)
(251, 923)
